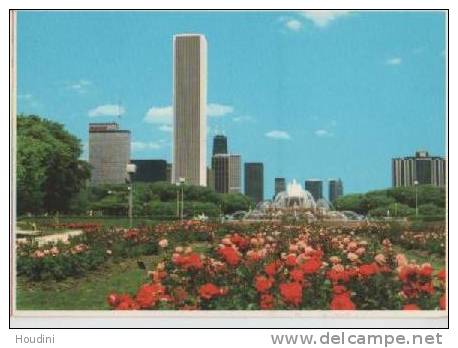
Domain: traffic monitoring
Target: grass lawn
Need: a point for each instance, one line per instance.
(421, 256)
(25, 222)
(90, 292)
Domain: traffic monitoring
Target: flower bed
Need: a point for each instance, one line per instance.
(270, 266)
(97, 245)
(80, 254)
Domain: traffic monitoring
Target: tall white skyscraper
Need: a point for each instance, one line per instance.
(189, 109)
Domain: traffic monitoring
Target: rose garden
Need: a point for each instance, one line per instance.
(194, 265)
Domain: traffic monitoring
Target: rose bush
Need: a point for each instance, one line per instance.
(272, 266)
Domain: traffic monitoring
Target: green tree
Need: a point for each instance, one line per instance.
(426, 194)
(49, 172)
(376, 199)
(430, 209)
(232, 202)
(353, 202)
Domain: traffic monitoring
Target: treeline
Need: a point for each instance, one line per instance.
(398, 201)
(158, 199)
(51, 178)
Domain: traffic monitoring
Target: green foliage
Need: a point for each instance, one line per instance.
(159, 200)
(351, 202)
(426, 194)
(430, 209)
(49, 172)
(399, 201)
(60, 266)
(376, 199)
(233, 202)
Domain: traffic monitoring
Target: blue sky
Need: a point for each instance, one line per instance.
(310, 94)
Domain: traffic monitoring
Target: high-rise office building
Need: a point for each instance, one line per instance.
(335, 189)
(226, 173)
(219, 144)
(423, 168)
(149, 170)
(254, 181)
(280, 185)
(109, 153)
(315, 187)
(189, 109)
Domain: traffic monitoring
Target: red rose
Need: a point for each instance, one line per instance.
(442, 302)
(338, 276)
(263, 284)
(291, 260)
(342, 302)
(408, 273)
(291, 293)
(241, 242)
(209, 290)
(311, 266)
(267, 301)
(126, 303)
(441, 275)
(230, 255)
(271, 268)
(189, 262)
(194, 262)
(411, 307)
(149, 294)
(297, 275)
(426, 271)
(368, 270)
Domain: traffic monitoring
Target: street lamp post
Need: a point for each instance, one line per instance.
(416, 198)
(178, 200)
(130, 169)
(182, 181)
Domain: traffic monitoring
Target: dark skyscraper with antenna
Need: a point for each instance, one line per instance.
(219, 145)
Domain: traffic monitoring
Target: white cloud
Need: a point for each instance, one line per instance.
(323, 18)
(278, 134)
(80, 86)
(26, 96)
(218, 110)
(323, 133)
(140, 145)
(166, 128)
(394, 61)
(107, 110)
(240, 119)
(164, 114)
(159, 115)
(293, 24)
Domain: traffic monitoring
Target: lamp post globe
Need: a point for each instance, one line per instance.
(130, 170)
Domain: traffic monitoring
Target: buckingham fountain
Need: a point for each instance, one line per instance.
(295, 202)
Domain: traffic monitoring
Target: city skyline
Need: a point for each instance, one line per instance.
(315, 126)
